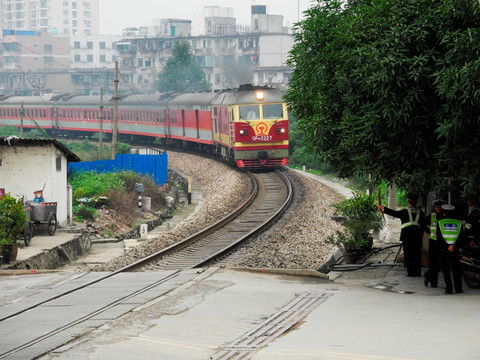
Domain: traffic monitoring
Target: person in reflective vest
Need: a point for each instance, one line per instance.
(449, 237)
(411, 234)
(431, 275)
(472, 222)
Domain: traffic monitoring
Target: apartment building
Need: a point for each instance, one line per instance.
(37, 61)
(60, 17)
(228, 54)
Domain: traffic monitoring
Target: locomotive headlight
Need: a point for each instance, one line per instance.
(243, 131)
(259, 95)
(280, 130)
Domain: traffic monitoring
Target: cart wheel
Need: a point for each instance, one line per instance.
(52, 224)
(28, 233)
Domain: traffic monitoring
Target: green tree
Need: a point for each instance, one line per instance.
(182, 73)
(388, 87)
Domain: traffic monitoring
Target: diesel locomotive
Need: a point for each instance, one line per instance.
(246, 126)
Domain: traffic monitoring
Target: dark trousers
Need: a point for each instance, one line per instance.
(451, 262)
(412, 251)
(434, 263)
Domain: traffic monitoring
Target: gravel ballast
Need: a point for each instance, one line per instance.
(296, 241)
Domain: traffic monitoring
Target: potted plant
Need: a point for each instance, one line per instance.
(359, 216)
(12, 222)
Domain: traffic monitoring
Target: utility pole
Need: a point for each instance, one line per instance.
(115, 114)
(22, 114)
(100, 139)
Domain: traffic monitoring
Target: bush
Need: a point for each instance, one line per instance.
(83, 212)
(12, 220)
(150, 189)
(361, 216)
(87, 184)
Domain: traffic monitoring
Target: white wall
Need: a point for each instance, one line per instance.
(274, 50)
(25, 169)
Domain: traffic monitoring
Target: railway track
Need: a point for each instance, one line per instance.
(45, 321)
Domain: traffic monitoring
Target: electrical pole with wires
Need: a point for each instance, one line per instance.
(115, 114)
(100, 138)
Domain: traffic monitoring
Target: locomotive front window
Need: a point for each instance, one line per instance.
(274, 111)
(249, 112)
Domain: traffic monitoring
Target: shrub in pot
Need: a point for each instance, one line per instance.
(12, 222)
(359, 216)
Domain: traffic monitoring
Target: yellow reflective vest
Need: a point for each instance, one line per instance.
(450, 230)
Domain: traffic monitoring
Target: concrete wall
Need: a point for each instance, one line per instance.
(274, 50)
(25, 169)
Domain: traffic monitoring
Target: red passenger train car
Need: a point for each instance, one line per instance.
(246, 126)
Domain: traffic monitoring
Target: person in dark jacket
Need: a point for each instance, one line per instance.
(449, 237)
(472, 222)
(434, 265)
(413, 224)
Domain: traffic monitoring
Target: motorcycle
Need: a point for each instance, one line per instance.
(470, 260)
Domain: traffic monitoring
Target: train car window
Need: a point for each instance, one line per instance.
(44, 115)
(249, 112)
(273, 111)
(85, 114)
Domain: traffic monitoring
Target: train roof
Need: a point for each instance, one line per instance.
(203, 98)
(27, 100)
(145, 99)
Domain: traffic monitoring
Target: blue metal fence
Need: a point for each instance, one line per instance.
(154, 165)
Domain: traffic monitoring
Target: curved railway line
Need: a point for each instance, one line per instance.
(42, 322)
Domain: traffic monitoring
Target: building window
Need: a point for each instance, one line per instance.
(89, 45)
(103, 58)
(48, 60)
(76, 44)
(102, 45)
(89, 58)
(47, 48)
(77, 58)
(58, 163)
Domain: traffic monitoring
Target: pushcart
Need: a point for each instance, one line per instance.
(38, 212)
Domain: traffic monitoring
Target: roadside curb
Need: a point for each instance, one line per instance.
(294, 272)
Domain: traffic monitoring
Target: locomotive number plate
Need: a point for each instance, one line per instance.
(262, 138)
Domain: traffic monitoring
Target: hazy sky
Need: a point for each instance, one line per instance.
(116, 15)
